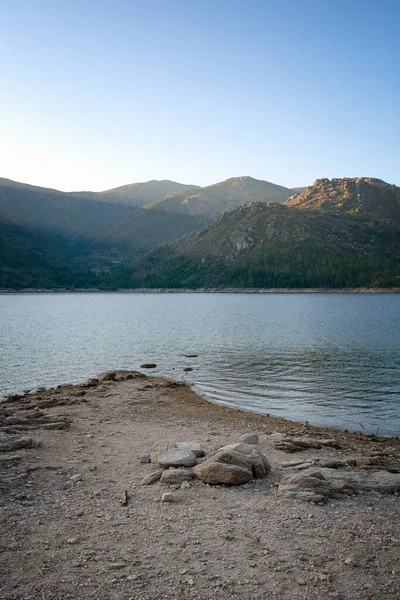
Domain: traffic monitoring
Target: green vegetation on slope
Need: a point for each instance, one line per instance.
(275, 246)
(338, 233)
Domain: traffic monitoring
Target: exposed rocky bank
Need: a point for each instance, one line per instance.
(135, 487)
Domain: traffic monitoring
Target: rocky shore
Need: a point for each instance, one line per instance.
(216, 290)
(134, 487)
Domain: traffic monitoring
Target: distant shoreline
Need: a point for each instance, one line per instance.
(227, 290)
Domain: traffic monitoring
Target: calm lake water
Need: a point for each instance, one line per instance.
(330, 359)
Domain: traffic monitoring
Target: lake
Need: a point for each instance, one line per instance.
(330, 359)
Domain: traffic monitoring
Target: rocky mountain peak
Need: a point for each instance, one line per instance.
(368, 197)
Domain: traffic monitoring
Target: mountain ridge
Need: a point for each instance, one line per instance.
(261, 245)
(220, 197)
(335, 233)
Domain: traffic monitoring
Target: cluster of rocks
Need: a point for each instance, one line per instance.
(319, 485)
(315, 479)
(23, 412)
(233, 464)
(117, 375)
(14, 420)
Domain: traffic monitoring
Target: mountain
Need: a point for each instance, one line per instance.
(335, 233)
(261, 245)
(363, 196)
(214, 200)
(140, 194)
(77, 214)
(143, 230)
(57, 212)
(31, 258)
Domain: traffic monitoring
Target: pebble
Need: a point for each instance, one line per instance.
(167, 497)
(117, 565)
(77, 477)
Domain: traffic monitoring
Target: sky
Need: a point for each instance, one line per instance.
(95, 94)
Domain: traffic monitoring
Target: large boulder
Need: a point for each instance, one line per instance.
(192, 446)
(233, 465)
(177, 457)
(249, 438)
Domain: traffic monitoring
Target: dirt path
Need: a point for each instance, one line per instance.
(64, 533)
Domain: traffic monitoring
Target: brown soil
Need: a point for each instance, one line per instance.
(65, 533)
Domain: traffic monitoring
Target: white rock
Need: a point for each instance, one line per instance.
(192, 446)
(175, 457)
(167, 497)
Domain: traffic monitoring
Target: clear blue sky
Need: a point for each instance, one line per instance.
(99, 93)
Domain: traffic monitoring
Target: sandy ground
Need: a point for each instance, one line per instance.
(65, 534)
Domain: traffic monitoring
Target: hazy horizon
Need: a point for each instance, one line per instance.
(43, 185)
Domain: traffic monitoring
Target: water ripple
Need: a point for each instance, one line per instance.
(331, 359)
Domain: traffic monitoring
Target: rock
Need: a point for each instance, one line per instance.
(176, 457)
(297, 444)
(380, 481)
(107, 376)
(218, 472)
(119, 375)
(331, 464)
(10, 443)
(14, 397)
(176, 476)
(72, 540)
(319, 485)
(313, 487)
(151, 478)
(193, 446)
(117, 565)
(92, 382)
(233, 465)
(185, 485)
(148, 366)
(168, 497)
(188, 369)
(55, 425)
(77, 477)
(303, 466)
(145, 459)
(249, 438)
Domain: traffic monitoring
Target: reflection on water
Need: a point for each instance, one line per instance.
(330, 359)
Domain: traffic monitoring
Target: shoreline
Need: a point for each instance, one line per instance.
(190, 387)
(78, 521)
(226, 290)
(21, 396)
